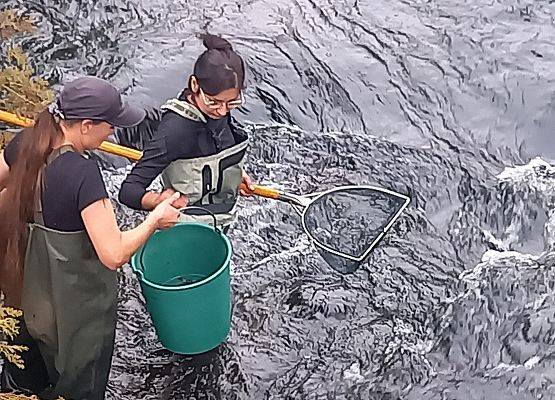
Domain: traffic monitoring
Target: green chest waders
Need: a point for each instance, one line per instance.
(69, 303)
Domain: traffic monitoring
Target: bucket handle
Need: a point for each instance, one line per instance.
(140, 269)
(184, 209)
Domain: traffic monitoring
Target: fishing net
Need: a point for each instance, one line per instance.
(346, 223)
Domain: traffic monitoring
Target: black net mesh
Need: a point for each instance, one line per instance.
(348, 221)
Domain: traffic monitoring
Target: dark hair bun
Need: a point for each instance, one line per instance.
(219, 67)
(215, 42)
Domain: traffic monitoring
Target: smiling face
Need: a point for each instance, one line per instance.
(215, 106)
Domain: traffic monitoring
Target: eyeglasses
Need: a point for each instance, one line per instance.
(215, 104)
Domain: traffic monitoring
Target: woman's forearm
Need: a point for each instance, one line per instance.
(114, 248)
(132, 240)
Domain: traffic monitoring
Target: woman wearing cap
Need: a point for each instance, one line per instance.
(195, 148)
(58, 226)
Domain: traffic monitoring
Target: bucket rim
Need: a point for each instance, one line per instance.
(136, 268)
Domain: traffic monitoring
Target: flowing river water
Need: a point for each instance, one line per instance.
(449, 102)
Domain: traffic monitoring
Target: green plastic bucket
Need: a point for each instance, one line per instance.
(185, 280)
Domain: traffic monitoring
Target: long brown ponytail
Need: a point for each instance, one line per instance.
(17, 203)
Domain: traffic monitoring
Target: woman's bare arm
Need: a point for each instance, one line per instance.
(114, 247)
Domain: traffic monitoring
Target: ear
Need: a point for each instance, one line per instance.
(86, 126)
(193, 84)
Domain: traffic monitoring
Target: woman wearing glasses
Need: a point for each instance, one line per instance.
(195, 148)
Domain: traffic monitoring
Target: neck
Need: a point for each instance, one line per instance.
(191, 99)
(72, 139)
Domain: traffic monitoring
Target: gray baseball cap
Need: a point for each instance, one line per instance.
(93, 98)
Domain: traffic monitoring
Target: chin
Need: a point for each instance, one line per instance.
(212, 116)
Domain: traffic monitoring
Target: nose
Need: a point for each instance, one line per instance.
(222, 110)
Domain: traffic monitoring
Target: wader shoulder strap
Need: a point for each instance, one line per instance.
(37, 217)
(185, 109)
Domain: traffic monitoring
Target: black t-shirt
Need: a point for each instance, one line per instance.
(71, 183)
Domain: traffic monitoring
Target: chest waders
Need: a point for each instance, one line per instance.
(211, 182)
(69, 303)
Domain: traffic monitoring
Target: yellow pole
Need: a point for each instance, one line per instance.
(108, 147)
(14, 119)
(119, 150)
